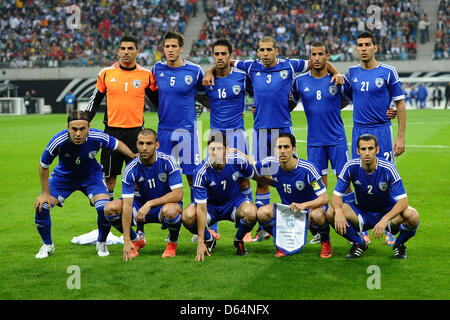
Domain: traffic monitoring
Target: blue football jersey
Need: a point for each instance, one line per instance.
(299, 185)
(227, 100)
(271, 88)
(378, 191)
(176, 91)
(322, 104)
(372, 92)
(219, 188)
(76, 161)
(153, 181)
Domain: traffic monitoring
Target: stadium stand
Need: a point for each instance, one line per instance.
(295, 23)
(442, 48)
(34, 33)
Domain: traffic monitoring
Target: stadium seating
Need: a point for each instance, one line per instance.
(295, 23)
(442, 48)
(36, 34)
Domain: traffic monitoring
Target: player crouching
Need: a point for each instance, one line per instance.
(381, 197)
(218, 196)
(160, 188)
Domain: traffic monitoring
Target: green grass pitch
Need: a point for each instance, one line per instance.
(424, 167)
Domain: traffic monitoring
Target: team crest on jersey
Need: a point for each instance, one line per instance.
(290, 221)
(162, 177)
(235, 176)
(236, 89)
(332, 90)
(188, 79)
(136, 83)
(284, 74)
(299, 185)
(92, 154)
(383, 186)
(379, 82)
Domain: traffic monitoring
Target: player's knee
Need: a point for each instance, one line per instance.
(411, 216)
(318, 216)
(264, 213)
(188, 216)
(113, 208)
(170, 210)
(249, 212)
(330, 215)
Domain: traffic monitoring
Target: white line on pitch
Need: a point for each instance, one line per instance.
(407, 146)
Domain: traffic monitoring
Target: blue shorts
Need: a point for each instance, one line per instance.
(264, 141)
(61, 187)
(225, 212)
(367, 219)
(338, 156)
(153, 216)
(183, 145)
(385, 140)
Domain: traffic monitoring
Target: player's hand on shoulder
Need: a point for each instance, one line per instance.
(208, 79)
(338, 79)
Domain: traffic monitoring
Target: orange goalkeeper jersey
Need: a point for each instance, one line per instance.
(125, 94)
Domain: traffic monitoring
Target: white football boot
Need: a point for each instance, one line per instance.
(45, 251)
(102, 249)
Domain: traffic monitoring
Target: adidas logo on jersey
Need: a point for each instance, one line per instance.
(113, 80)
(355, 80)
(306, 89)
(258, 74)
(141, 179)
(212, 184)
(161, 74)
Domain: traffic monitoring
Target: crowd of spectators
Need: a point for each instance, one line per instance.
(38, 33)
(296, 23)
(442, 47)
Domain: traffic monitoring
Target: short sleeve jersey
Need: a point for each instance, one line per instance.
(76, 161)
(299, 185)
(322, 104)
(271, 88)
(177, 88)
(125, 94)
(378, 191)
(227, 100)
(372, 92)
(219, 188)
(153, 181)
